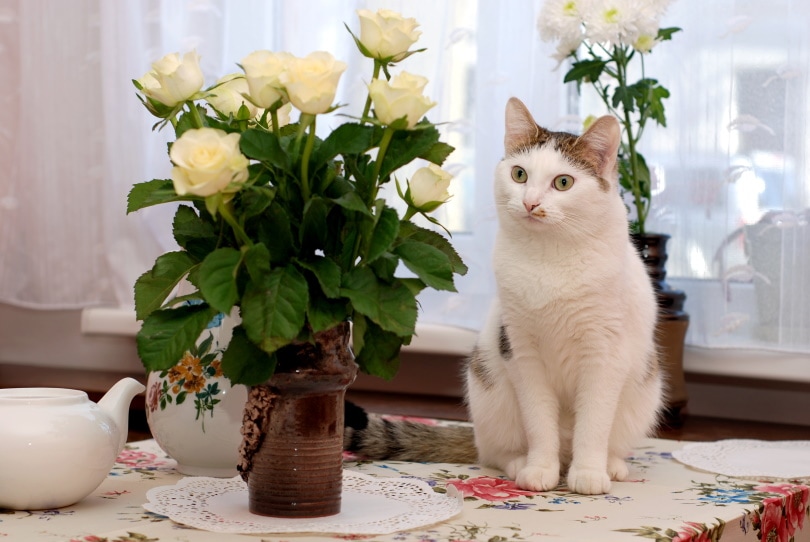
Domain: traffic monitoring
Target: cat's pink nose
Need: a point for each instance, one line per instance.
(530, 206)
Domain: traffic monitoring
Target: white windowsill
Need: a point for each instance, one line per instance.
(456, 341)
(429, 338)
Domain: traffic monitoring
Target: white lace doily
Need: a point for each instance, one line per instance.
(749, 458)
(369, 505)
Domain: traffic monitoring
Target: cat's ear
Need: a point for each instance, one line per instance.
(521, 129)
(602, 139)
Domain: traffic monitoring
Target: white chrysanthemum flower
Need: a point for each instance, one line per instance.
(561, 20)
(644, 43)
(648, 16)
(566, 47)
(614, 22)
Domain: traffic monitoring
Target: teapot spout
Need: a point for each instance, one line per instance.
(116, 404)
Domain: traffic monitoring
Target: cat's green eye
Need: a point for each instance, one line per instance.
(519, 175)
(563, 182)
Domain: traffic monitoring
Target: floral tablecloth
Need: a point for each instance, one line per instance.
(662, 500)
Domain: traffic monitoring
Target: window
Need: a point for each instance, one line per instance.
(731, 167)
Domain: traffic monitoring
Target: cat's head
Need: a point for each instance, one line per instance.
(558, 180)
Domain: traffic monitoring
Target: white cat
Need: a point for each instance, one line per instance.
(565, 374)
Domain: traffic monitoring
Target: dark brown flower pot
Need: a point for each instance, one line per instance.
(672, 323)
(292, 452)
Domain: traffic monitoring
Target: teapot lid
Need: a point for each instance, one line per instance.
(42, 396)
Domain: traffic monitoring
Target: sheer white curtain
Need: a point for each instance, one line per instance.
(733, 164)
(74, 139)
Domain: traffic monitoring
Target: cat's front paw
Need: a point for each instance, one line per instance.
(617, 469)
(513, 467)
(588, 481)
(533, 478)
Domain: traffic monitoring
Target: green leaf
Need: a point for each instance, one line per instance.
(430, 264)
(384, 234)
(665, 34)
(414, 285)
(379, 355)
(151, 193)
(168, 333)
(327, 272)
(313, 230)
(324, 313)
(359, 325)
(276, 233)
(627, 97)
(438, 153)
(257, 261)
(353, 202)
(585, 70)
(409, 230)
(245, 363)
(655, 107)
(193, 233)
(348, 138)
(274, 308)
(265, 147)
(187, 121)
(385, 266)
(153, 287)
(217, 278)
(407, 145)
(391, 306)
(255, 199)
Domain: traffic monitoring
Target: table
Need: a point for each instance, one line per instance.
(662, 500)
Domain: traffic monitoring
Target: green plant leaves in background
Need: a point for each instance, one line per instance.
(244, 362)
(274, 308)
(166, 334)
(153, 287)
(391, 306)
(217, 278)
(151, 193)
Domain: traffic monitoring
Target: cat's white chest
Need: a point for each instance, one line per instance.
(530, 276)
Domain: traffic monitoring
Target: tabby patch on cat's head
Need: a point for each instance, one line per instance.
(594, 152)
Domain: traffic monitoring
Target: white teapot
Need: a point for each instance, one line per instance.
(57, 446)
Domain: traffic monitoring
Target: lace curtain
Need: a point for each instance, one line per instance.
(730, 168)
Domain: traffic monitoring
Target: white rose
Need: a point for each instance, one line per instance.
(207, 161)
(283, 114)
(228, 95)
(428, 187)
(311, 82)
(262, 72)
(172, 79)
(386, 34)
(400, 97)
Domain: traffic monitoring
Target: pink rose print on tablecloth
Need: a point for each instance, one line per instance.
(693, 532)
(771, 522)
(791, 512)
(489, 488)
(135, 459)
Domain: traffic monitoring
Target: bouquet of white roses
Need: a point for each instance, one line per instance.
(602, 38)
(284, 225)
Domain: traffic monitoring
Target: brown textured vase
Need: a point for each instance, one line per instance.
(292, 452)
(672, 323)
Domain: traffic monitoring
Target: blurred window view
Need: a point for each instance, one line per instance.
(731, 168)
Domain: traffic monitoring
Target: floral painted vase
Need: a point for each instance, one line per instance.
(193, 411)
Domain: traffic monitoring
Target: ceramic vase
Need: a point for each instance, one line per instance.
(673, 322)
(292, 452)
(193, 411)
